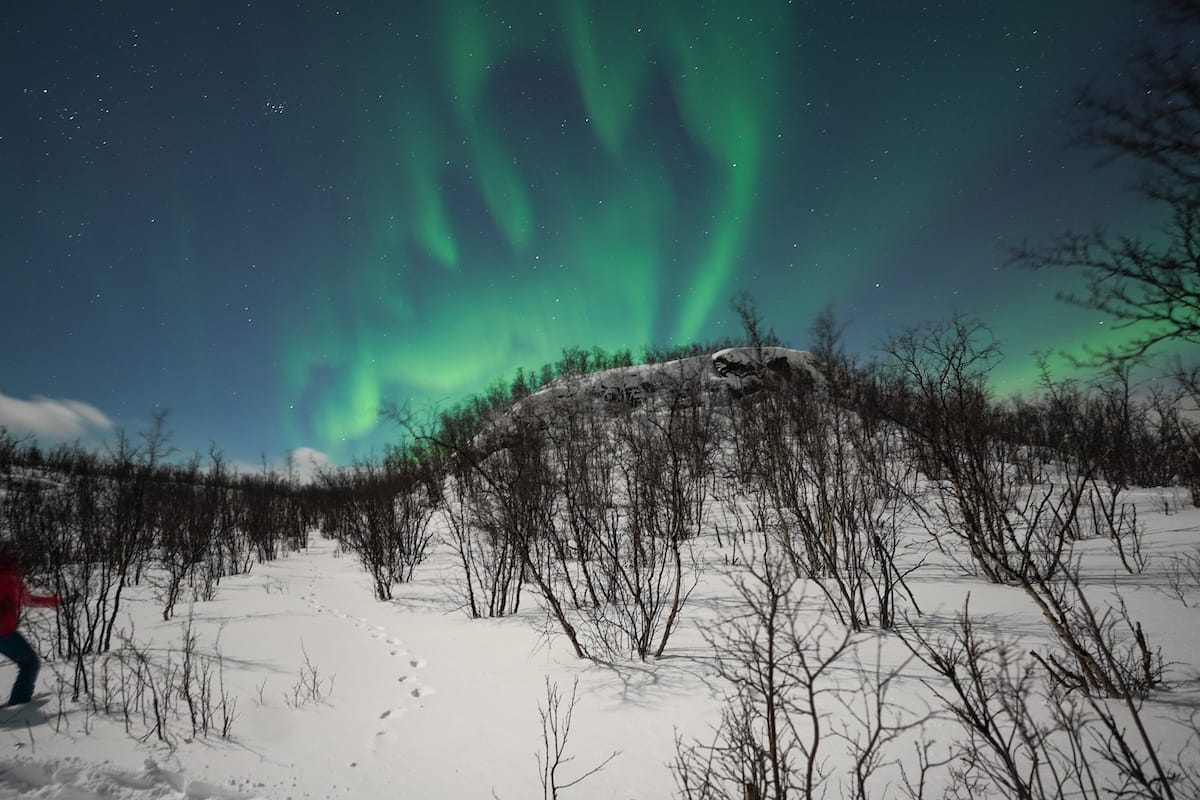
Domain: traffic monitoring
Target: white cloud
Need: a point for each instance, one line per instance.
(308, 462)
(46, 416)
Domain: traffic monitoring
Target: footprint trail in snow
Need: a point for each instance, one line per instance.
(412, 690)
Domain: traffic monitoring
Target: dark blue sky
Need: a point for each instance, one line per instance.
(270, 217)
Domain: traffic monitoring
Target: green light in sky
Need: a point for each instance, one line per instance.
(609, 53)
(618, 207)
(432, 222)
(726, 70)
(503, 190)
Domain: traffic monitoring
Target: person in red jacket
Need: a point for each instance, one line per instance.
(13, 595)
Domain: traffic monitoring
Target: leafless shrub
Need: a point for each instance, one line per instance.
(1104, 653)
(311, 687)
(938, 394)
(1183, 576)
(585, 456)
(644, 566)
(1117, 521)
(604, 541)
(1027, 737)
(154, 690)
(189, 521)
(556, 731)
(385, 522)
(492, 568)
(515, 508)
(831, 484)
(786, 715)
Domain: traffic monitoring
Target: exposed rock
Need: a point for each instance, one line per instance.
(738, 370)
(742, 370)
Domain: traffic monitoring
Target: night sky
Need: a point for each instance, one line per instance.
(270, 217)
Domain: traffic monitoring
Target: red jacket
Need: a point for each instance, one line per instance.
(13, 595)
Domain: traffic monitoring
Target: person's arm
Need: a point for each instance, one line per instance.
(32, 600)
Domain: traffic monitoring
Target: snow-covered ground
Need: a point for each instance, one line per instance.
(414, 700)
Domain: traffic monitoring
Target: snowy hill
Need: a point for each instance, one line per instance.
(600, 612)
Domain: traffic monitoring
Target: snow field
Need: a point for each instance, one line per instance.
(413, 699)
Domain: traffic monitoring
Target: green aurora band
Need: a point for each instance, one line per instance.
(588, 173)
(444, 302)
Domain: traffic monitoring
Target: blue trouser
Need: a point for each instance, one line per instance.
(15, 647)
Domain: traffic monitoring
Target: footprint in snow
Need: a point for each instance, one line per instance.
(386, 734)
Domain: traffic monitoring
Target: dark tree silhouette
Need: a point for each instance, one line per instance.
(1149, 285)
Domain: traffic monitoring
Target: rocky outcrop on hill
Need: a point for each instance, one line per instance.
(737, 370)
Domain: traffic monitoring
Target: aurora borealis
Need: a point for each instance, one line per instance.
(272, 217)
